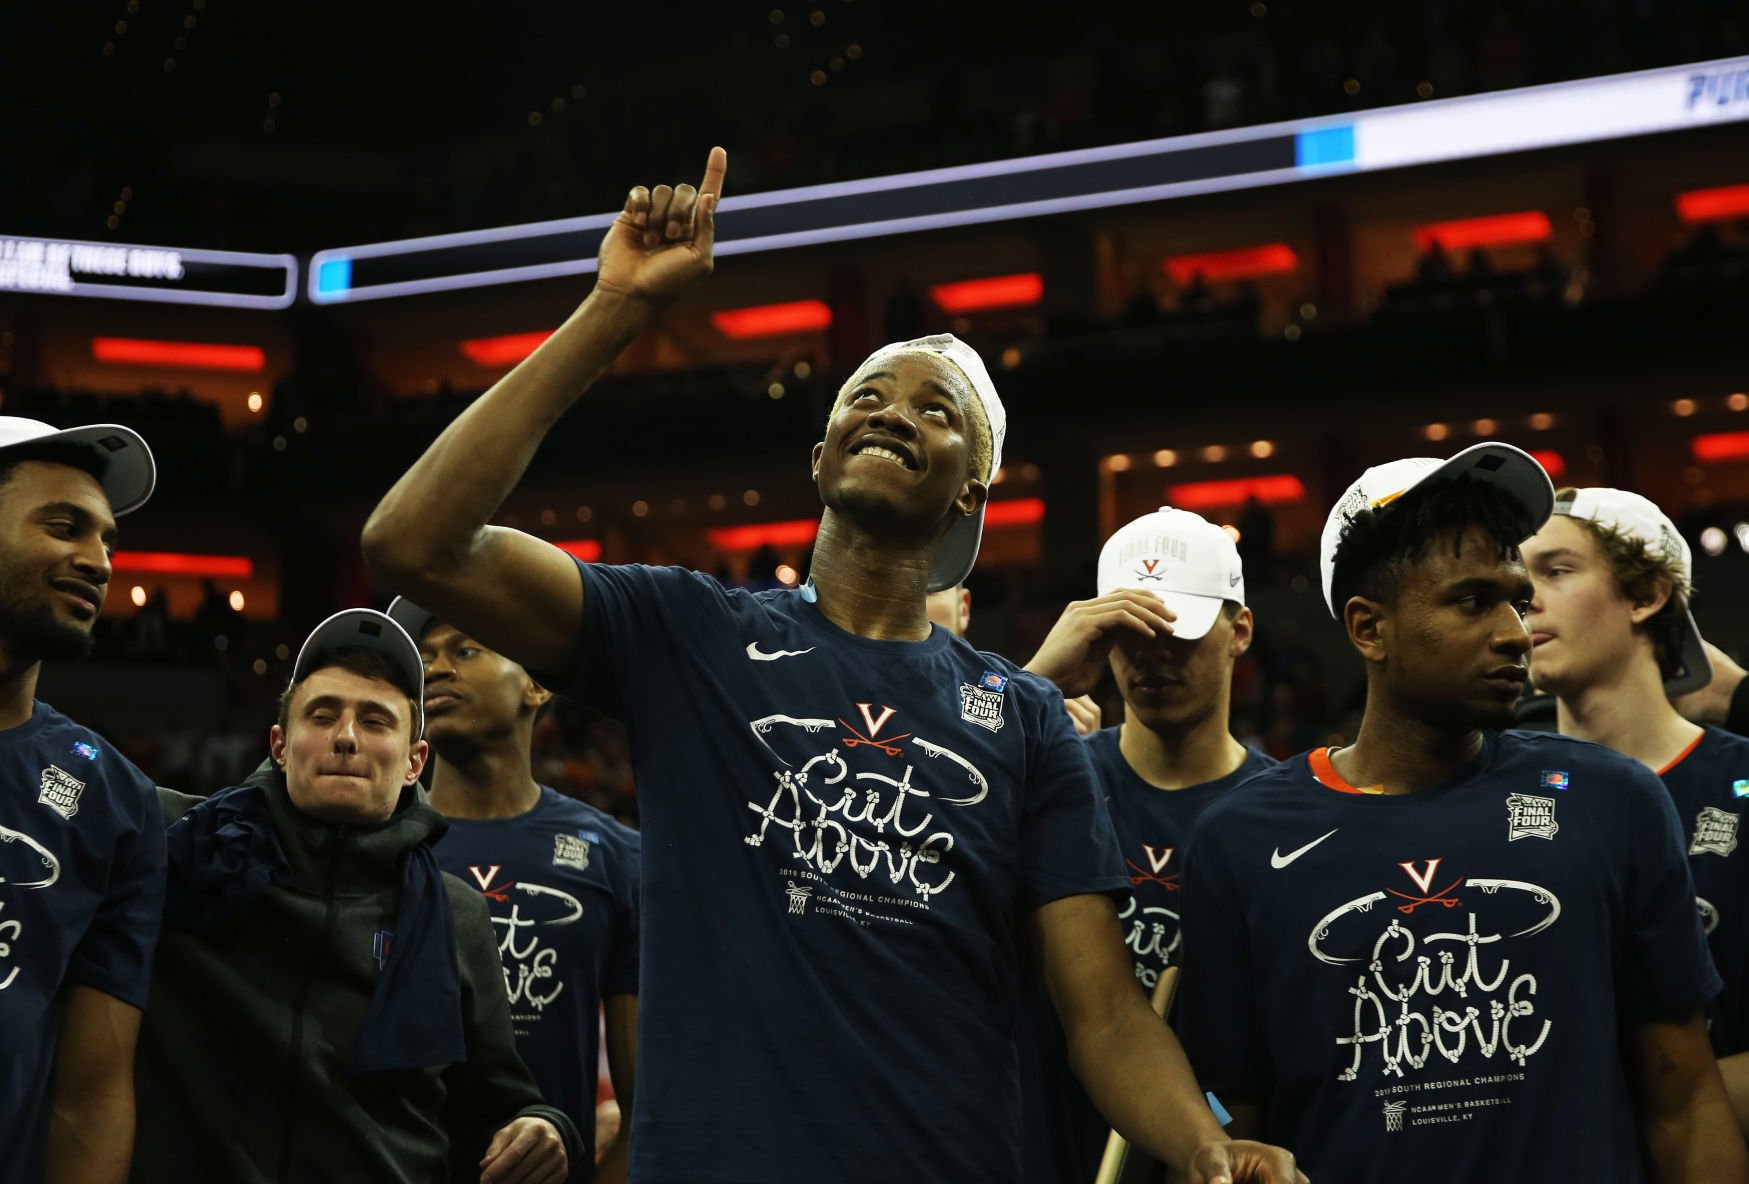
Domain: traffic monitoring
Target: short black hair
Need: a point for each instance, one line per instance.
(58, 452)
(1378, 543)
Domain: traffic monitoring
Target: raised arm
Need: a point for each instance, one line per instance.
(1074, 653)
(429, 537)
(1128, 1059)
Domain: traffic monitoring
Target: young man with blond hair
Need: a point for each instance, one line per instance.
(1615, 643)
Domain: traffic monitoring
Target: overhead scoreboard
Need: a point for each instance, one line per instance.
(1591, 110)
(122, 271)
(1587, 111)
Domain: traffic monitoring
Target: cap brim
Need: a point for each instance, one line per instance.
(411, 617)
(1194, 615)
(1695, 669)
(131, 474)
(958, 553)
(364, 628)
(1511, 470)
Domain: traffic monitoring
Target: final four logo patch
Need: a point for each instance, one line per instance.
(1530, 816)
(1715, 832)
(570, 851)
(982, 704)
(60, 791)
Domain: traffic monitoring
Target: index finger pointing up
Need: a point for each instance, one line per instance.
(714, 169)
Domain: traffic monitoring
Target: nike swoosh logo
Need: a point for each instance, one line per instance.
(758, 655)
(1278, 861)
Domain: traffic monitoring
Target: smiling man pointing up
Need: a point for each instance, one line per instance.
(855, 824)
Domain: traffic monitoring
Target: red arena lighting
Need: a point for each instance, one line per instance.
(1553, 463)
(1495, 230)
(1240, 263)
(1713, 205)
(503, 351)
(1720, 446)
(1020, 511)
(175, 563)
(178, 355)
(588, 550)
(773, 320)
(798, 532)
(1274, 490)
(996, 291)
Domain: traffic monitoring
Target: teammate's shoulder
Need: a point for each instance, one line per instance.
(1515, 744)
(78, 751)
(1718, 743)
(996, 669)
(1549, 763)
(593, 822)
(1103, 739)
(648, 579)
(1257, 762)
(1260, 790)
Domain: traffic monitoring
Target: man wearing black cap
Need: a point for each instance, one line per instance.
(81, 850)
(559, 877)
(327, 1004)
(856, 824)
(1448, 951)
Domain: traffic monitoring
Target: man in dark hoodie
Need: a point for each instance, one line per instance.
(327, 1004)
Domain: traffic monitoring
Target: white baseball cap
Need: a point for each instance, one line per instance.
(1183, 558)
(959, 549)
(127, 481)
(366, 628)
(1637, 518)
(1513, 470)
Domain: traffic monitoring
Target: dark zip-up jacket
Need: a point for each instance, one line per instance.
(246, 1049)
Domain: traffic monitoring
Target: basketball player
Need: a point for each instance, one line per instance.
(81, 846)
(853, 821)
(1170, 621)
(1615, 641)
(1448, 950)
(560, 877)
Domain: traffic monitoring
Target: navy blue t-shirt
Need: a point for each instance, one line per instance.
(1433, 984)
(1066, 1134)
(1710, 785)
(561, 883)
(81, 896)
(842, 838)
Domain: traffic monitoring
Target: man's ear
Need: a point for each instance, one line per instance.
(1652, 602)
(1369, 629)
(416, 758)
(972, 496)
(535, 696)
(1244, 626)
(276, 745)
(814, 461)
